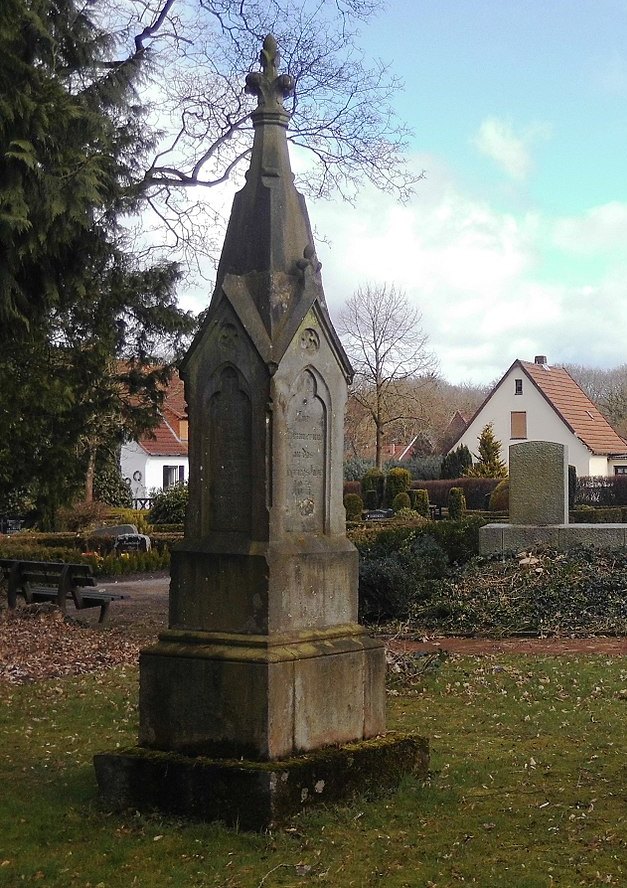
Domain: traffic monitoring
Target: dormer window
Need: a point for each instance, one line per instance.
(518, 386)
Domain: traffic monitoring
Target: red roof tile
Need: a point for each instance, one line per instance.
(163, 441)
(575, 408)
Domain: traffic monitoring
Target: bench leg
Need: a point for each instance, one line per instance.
(104, 610)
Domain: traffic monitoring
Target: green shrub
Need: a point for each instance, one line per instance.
(391, 584)
(579, 592)
(476, 490)
(57, 540)
(81, 516)
(397, 481)
(167, 528)
(420, 502)
(355, 469)
(409, 515)
(354, 506)
(169, 505)
(138, 517)
(32, 552)
(456, 463)
(161, 540)
(109, 486)
(401, 501)
(372, 488)
(386, 589)
(459, 539)
(572, 486)
(456, 504)
(499, 499)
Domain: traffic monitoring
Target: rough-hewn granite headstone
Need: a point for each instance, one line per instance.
(263, 659)
(538, 483)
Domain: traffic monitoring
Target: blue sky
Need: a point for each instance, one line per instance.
(516, 242)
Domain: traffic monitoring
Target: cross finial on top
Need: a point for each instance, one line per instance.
(268, 85)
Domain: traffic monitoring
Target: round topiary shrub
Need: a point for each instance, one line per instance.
(421, 502)
(401, 501)
(354, 506)
(456, 504)
(499, 499)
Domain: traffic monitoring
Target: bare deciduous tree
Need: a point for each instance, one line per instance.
(384, 338)
(608, 390)
(195, 53)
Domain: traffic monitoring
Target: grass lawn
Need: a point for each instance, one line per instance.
(528, 788)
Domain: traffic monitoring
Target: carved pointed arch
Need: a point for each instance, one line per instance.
(308, 411)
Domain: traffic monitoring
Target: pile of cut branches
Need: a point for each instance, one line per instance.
(546, 592)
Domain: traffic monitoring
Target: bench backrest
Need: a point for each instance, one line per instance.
(47, 572)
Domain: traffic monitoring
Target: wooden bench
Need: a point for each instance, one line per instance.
(51, 581)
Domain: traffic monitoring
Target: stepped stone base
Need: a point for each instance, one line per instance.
(258, 696)
(255, 795)
(495, 539)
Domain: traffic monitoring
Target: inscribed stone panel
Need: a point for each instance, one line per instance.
(230, 455)
(306, 458)
(538, 483)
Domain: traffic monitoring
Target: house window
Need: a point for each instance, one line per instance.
(173, 475)
(519, 424)
(620, 470)
(518, 386)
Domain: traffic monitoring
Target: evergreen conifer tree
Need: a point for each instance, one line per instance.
(489, 463)
(82, 318)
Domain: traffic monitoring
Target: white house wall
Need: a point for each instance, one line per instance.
(543, 424)
(133, 464)
(145, 472)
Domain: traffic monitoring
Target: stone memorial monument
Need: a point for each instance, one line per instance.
(538, 483)
(264, 693)
(538, 507)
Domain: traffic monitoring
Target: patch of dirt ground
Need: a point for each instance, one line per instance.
(37, 643)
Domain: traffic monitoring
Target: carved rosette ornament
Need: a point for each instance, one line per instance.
(268, 85)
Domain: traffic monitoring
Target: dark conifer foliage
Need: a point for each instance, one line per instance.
(87, 329)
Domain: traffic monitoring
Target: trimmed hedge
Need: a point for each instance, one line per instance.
(102, 565)
(476, 490)
(352, 487)
(599, 490)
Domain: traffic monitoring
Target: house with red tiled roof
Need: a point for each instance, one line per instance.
(159, 458)
(537, 402)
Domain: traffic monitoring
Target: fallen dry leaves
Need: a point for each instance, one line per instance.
(37, 642)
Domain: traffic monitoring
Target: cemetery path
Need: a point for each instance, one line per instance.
(147, 611)
(148, 606)
(36, 643)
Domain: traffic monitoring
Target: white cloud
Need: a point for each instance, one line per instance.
(600, 230)
(478, 276)
(510, 151)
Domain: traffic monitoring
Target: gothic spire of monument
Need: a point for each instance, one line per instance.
(269, 229)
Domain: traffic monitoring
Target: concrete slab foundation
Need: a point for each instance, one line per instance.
(497, 539)
(255, 795)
